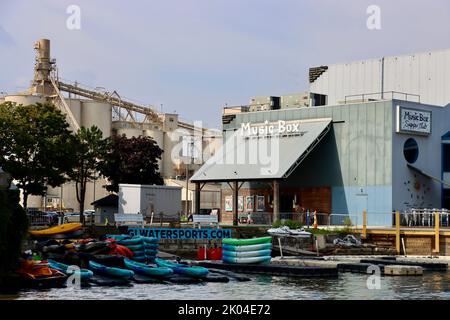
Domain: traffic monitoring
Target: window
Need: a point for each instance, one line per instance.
(446, 157)
(411, 150)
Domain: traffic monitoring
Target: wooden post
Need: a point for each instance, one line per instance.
(397, 231)
(197, 198)
(235, 203)
(276, 200)
(364, 227)
(436, 232)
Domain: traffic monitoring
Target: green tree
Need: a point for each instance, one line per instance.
(89, 153)
(132, 160)
(13, 230)
(35, 146)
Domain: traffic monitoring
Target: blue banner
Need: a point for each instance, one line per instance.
(181, 233)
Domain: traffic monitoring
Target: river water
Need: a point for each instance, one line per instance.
(348, 286)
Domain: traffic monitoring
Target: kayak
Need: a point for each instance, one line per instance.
(245, 242)
(244, 254)
(38, 274)
(146, 270)
(110, 271)
(138, 253)
(151, 252)
(151, 246)
(191, 271)
(64, 228)
(150, 240)
(118, 237)
(254, 247)
(136, 247)
(64, 268)
(262, 259)
(141, 259)
(130, 242)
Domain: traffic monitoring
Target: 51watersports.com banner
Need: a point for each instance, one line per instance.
(181, 233)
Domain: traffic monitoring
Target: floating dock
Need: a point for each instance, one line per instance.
(432, 266)
(274, 269)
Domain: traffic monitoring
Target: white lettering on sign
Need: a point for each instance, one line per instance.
(270, 129)
(413, 121)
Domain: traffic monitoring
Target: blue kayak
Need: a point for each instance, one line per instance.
(245, 254)
(118, 237)
(150, 240)
(252, 247)
(110, 271)
(141, 258)
(151, 246)
(151, 252)
(135, 247)
(247, 260)
(191, 271)
(146, 270)
(130, 242)
(64, 268)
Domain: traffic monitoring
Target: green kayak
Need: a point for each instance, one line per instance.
(246, 242)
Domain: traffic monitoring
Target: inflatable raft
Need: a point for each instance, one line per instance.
(246, 260)
(245, 254)
(254, 247)
(246, 242)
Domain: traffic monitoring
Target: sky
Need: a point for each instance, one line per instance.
(195, 56)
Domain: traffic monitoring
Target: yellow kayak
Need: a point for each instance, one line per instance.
(64, 228)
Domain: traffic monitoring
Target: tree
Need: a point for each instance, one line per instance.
(89, 153)
(13, 230)
(132, 160)
(35, 146)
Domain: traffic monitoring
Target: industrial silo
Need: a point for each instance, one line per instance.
(156, 133)
(98, 114)
(75, 107)
(25, 99)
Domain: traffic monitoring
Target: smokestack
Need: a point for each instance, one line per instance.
(42, 68)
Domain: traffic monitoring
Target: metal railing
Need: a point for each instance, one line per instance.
(382, 96)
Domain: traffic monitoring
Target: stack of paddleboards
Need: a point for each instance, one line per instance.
(144, 249)
(256, 250)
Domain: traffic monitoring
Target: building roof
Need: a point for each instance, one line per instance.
(263, 151)
(111, 200)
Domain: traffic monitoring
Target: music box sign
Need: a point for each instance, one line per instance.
(413, 121)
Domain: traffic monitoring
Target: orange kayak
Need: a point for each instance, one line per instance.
(64, 228)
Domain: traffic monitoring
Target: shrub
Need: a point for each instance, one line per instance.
(289, 223)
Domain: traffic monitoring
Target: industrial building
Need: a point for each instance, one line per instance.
(112, 114)
(355, 147)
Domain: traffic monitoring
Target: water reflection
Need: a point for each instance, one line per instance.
(432, 285)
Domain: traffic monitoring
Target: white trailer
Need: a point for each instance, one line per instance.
(148, 199)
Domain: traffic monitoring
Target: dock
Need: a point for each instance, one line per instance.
(274, 269)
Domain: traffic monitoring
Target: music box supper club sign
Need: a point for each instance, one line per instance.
(413, 121)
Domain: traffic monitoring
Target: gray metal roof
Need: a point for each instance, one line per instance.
(260, 156)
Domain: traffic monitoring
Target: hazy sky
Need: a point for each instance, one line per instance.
(193, 56)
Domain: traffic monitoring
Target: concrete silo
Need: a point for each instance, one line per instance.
(25, 99)
(155, 132)
(98, 114)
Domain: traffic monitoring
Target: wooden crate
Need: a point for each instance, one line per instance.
(419, 245)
